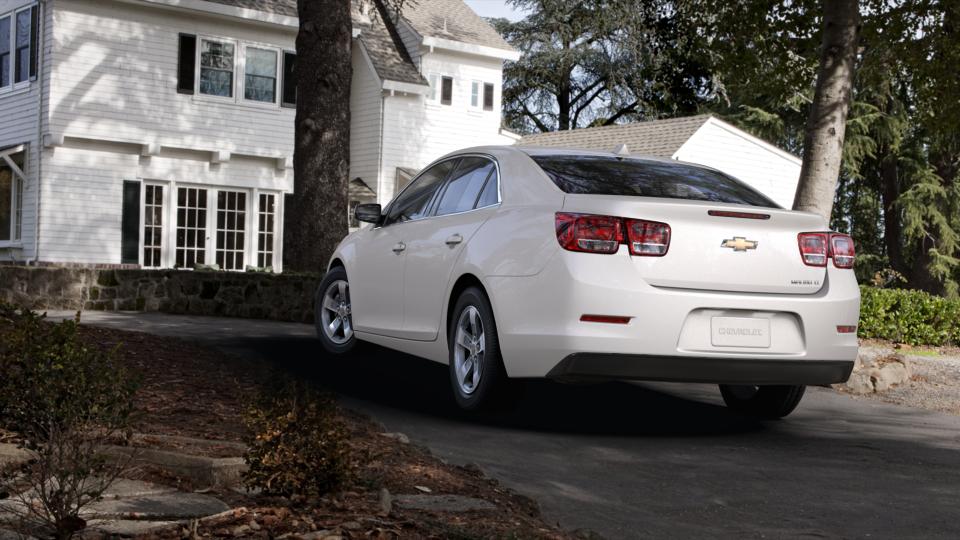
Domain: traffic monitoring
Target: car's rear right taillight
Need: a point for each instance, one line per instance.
(842, 251)
(817, 247)
(589, 233)
(813, 248)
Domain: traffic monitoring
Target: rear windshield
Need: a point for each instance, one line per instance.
(599, 175)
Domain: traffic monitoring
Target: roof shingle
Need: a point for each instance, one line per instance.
(451, 19)
(657, 138)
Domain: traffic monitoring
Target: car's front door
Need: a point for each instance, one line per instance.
(376, 291)
(434, 245)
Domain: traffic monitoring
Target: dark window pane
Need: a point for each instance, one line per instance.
(647, 178)
(487, 97)
(446, 91)
(490, 195)
(6, 201)
(5, 51)
(464, 186)
(414, 201)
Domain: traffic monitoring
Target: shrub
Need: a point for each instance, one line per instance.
(908, 316)
(298, 444)
(63, 400)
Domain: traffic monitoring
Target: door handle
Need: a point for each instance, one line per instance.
(454, 239)
(399, 247)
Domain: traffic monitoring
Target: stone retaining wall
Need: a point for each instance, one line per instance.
(282, 297)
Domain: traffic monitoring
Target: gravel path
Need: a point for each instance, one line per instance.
(934, 385)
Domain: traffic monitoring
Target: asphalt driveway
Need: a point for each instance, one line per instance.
(644, 461)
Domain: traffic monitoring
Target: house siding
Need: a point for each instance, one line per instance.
(365, 120)
(770, 172)
(20, 111)
(418, 131)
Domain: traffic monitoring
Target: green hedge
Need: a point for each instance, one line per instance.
(906, 316)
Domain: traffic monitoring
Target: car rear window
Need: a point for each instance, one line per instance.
(600, 175)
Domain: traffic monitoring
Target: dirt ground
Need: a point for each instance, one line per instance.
(934, 382)
(188, 390)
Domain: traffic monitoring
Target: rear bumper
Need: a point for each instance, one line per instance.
(601, 366)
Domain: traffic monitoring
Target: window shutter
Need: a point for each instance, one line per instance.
(289, 85)
(446, 91)
(130, 224)
(487, 97)
(34, 40)
(186, 65)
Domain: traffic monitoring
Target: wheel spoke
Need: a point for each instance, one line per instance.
(463, 339)
(460, 366)
(343, 290)
(330, 304)
(473, 322)
(476, 372)
(334, 325)
(347, 328)
(480, 343)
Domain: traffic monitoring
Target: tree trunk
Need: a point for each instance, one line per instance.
(892, 225)
(316, 214)
(823, 141)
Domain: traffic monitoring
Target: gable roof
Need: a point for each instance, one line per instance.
(453, 20)
(658, 138)
(387, 54)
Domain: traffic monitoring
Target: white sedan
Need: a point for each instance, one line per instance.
(517, 262)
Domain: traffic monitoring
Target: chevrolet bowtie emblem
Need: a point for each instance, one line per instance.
(739, 243)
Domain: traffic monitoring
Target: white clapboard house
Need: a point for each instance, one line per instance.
(159, 133)
(703, 139)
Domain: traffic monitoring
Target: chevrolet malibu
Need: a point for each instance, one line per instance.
(518, 262)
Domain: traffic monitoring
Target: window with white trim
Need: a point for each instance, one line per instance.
(434, 80)
(266, 222)
(153, 226)
(18, 43)
(261, 71)
(191, 227)
(475, 87)
(217, 59)
(11, 194)
(231, 228)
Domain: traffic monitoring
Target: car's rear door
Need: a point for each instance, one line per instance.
(469, 198)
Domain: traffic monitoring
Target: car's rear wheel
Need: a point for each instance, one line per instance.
(333, 317)
(477, 375)
(765, 402)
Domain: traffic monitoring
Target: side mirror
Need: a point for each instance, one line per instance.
(368, 213)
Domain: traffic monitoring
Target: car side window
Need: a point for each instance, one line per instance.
(464, 186)
(415, 200)
(491, 191)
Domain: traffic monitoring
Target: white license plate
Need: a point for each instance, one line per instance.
(739, 332)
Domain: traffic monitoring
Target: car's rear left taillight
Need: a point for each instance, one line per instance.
(589, 233)
(647, 238)
(816, 248)
(592, 233)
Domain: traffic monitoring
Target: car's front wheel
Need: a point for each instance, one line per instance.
(476, 369)
(333, 317)
(764, 402)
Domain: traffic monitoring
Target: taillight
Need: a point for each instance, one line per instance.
(593, 234)
(816, 248)
(603, 234)
(647, 238)
(842, 251)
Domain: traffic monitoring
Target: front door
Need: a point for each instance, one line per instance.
(434, 245)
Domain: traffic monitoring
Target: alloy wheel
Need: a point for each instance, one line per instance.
(468, 350)
(335, 314)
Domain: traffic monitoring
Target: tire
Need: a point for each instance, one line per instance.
(332, 315)
(486, 386)
(763, 402)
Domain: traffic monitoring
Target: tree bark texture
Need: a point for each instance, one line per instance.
(316, 214)
(823, 141)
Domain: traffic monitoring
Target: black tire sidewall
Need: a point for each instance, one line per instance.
(493, 375)
(769, 403)
(335, 274)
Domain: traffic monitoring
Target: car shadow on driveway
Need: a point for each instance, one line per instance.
(392, 379)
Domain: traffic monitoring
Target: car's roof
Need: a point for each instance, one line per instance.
(534, 151)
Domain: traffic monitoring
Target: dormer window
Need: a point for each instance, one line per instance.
(216, 68)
